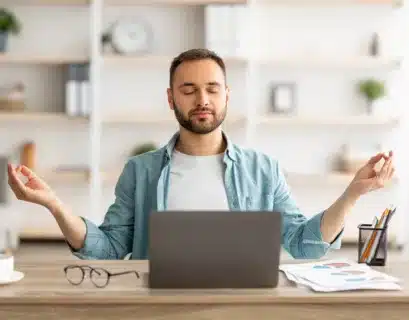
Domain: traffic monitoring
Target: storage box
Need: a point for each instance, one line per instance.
(11, 105)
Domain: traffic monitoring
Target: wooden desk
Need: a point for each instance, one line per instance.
(44, 293)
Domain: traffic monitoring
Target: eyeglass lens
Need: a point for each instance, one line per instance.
(99, 277)
(76, 274)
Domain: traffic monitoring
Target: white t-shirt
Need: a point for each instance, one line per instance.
(197, 183)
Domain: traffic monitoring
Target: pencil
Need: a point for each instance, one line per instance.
(365, 255)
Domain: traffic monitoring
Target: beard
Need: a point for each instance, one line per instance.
(200, 126)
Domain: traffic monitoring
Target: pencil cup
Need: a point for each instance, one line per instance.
(372, 245)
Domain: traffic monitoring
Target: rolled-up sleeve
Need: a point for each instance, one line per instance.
(113, 239)
(301, 237)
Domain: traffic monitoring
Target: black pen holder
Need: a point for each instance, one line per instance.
(379, 244)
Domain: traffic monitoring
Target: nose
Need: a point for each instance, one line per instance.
(202, 99)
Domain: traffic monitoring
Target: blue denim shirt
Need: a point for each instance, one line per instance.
(253, 182)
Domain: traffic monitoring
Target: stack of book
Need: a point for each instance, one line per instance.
(77, 90)
(378, 228)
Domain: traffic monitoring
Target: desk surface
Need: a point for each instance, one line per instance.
(45, 283)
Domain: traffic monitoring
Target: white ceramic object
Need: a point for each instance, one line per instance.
(15, 276)
(6, 266)
(131, 36)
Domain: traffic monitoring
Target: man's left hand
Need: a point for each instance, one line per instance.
(367, 179)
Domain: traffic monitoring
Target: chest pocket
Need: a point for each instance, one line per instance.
(257, 202)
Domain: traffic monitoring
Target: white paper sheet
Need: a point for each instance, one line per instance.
(339, 275)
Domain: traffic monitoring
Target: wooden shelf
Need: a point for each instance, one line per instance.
(201, 2)
(291, 62)
(317, 61)
(75, 177)
(39, 117)
(326, 120)
(288, 62)
(156, 59)
(322, 179)
(47, 233)
(119, 2)
(158, 120)
(171, 2)
(35, 59)
(394, 3)
(69, 177)
(45, 2)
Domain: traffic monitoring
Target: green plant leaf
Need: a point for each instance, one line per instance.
(9, 22)
(372, 89)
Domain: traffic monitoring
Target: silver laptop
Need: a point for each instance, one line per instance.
(214, 249)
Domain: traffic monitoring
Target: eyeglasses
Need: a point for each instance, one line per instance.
(100, 277)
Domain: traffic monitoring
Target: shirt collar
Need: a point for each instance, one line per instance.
(228, 153)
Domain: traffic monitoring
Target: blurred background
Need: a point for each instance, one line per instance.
(318, 85)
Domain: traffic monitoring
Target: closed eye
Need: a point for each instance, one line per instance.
(213, 90)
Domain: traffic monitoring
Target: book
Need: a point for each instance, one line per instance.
(84, 90)
(72, 90)
(77, 90)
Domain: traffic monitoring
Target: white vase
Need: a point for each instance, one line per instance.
(380, 107)
(3, 41)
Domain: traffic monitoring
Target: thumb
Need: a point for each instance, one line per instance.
(16, 184)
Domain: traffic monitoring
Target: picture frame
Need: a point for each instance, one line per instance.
(283, 97)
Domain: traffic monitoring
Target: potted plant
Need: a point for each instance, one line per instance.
(146, 147)
(8, 24)
(373, 90)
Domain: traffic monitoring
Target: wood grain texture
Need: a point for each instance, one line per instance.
(206, 312)
(45, 293)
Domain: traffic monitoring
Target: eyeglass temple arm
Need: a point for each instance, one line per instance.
(125, 272)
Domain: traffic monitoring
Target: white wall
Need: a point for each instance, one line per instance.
(336, 32)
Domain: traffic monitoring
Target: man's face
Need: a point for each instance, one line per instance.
(199, 96)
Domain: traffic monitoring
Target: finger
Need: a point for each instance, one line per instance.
(27, 172)
(391, 173)
(375, 159)
(384, 171)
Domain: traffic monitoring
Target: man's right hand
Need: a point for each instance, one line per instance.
(37, 191)
(34, 190)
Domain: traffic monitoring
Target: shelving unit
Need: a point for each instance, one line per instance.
(120, 2)
(322, 179)
(246, 67)
(396, 3)
(40, 59)
(110, 177)
(40, 117)
(155, 59)
(330, 179)
(323, 62)
(45, 2)
(360, 63)
(52, 233)
(366, 120)
(160, 119)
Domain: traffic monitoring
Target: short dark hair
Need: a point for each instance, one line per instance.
(194, 55)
